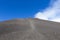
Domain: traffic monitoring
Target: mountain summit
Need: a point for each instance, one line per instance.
(29, 29)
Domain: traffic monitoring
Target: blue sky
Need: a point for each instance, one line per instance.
(10, 9)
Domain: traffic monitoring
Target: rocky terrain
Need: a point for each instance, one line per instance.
(29, 29)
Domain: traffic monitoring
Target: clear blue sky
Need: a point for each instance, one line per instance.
(21, 8)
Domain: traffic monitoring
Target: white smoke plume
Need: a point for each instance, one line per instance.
(51, 13)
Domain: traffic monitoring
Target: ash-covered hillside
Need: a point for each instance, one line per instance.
(29, 29)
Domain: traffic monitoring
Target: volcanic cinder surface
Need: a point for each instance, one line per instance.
(29, 29)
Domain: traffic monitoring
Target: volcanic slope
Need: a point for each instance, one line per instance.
(29, 29)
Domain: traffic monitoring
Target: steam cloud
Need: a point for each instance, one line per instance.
(51, 13)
